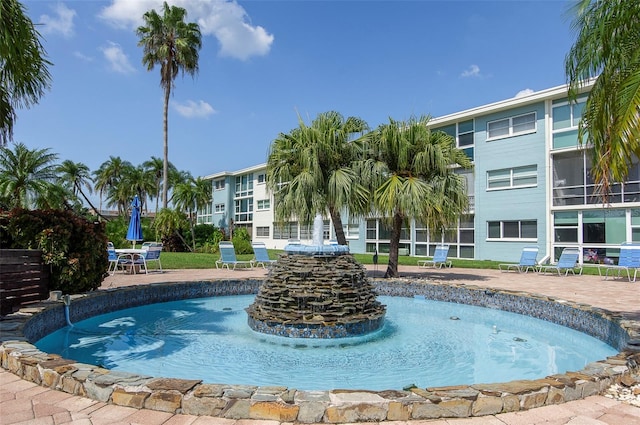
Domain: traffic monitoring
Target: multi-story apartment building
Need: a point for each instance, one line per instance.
(530, 185)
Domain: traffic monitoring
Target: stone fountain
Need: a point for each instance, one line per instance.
(316, 291)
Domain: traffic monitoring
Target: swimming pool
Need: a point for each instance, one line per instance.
(423, 343)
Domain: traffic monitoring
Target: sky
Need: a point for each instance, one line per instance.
(266, 64)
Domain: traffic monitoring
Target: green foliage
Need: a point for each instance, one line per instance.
(73, 247)
(242, 241)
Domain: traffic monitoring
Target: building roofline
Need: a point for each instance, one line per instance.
(535, 97)
(235, 173)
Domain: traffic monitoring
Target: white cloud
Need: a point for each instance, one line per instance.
(191, 109)
(525, 92)
(473, 71)
(118, 61)
(61, 23)
(226, 20)
(82, 56)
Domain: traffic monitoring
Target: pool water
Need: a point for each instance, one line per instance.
(423, 343)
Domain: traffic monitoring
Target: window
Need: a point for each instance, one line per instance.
(262, 231)
(511, 178)
(566, 118)
(261, 178)
(244, 210)
(565, 225)
(512, 126)
(635, 225)
(264, 204)
(520, 229)
(285, 230)
(351, 230)
(218, 184)
(244, 185)
(219, 208)
(463, 133)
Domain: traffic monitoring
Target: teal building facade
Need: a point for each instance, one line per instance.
(530, 185)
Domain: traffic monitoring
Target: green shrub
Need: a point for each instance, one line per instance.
(242, 241)
(72, 246)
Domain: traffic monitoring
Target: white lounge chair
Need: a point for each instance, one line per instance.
(568, 262)
(528, 261)
(228, 257)
(629, 260)
(439, 258)
(261, 256)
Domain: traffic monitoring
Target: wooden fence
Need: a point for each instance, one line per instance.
(24, 279)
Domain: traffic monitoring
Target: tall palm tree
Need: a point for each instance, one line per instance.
(410, 171)
(24, 73)
(27, 176)
(107, 176)
(191, 196)
(173, 44)
(77, 176)
(607, 46)
(309, 170)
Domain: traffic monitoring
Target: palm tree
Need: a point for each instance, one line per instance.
(109, 174)
(27, 176)
(607, 46)
(192, 196)
(76, 175)
(155, 167)
(173, 44)
(24, 74)
(134, 181)
(410, 171)
(309, 170)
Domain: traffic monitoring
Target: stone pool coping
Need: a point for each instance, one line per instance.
(335, 406)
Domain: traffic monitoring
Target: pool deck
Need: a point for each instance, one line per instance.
(23, 402)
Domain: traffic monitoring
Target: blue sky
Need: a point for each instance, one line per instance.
(264, 63)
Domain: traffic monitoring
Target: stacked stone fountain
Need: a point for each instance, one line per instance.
(316, 291)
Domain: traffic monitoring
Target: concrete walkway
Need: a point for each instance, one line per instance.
(23, 402)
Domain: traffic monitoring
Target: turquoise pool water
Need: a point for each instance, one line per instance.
(423, 343)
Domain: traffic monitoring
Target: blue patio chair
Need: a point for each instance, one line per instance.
(568, 262)
(629, 260)
(115, 260)
(228, 257)
(439, 258)
(261, 256)
(151, 254)
(528, 261)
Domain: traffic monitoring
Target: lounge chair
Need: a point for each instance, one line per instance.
(629, 260)
(261, 255)
(113, 258)
(439, 258)
(528, 261)
(151, 254)
(568, 262)
(228, 257)
(116, 260)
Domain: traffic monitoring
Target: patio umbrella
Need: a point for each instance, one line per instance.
(134, 233)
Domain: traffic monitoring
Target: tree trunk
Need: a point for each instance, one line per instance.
(394, 243)
(193, 233)
(165, 165)
(91, 205)
(337, 226)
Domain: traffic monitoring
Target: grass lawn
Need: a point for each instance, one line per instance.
(189, 260)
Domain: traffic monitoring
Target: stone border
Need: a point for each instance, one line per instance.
(335, 406)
